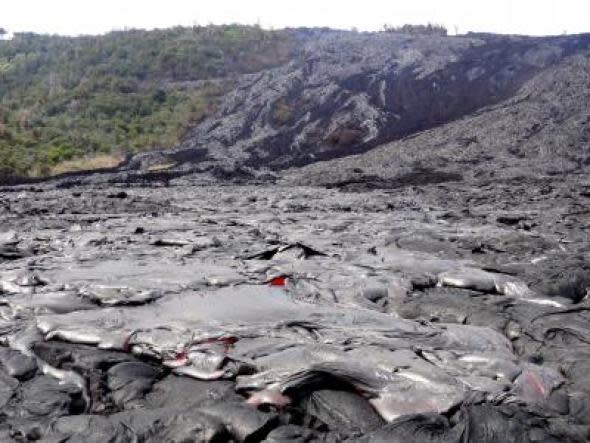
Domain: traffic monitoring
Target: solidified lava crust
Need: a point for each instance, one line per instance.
(433, 312)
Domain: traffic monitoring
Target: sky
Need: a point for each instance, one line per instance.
(74, 17)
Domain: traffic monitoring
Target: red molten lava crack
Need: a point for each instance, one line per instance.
(126, 344)
(536, 382)
(278, 281)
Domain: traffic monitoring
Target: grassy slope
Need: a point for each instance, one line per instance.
(66, 102)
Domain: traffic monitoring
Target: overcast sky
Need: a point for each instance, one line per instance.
(538, 17)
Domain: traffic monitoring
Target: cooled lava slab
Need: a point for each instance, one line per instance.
(258, 313)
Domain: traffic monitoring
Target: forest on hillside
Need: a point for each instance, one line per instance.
(70, 103)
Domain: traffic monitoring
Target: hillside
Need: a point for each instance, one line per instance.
(544, 130)
(236, 97)
(347, 93)
(63, 98)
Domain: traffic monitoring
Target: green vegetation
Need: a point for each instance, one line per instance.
(83, 101)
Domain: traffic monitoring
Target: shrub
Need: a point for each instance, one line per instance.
(56, 154)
